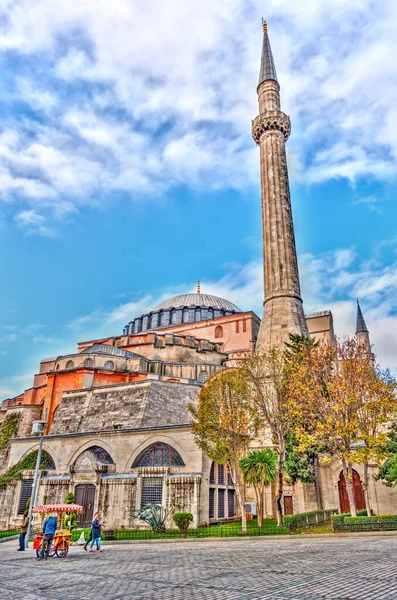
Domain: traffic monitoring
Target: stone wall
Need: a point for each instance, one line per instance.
(131, 405)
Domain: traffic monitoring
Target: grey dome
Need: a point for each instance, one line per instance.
(198, 300)
(180, 310)
(107, 349)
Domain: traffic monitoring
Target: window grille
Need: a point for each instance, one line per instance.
(212, 503)
(229, 480)
(230, 503)
(221, 475)
(159, 455)
(88, 362)
(152, 490)
(237, 326)
(109, 365)
(221, 504)
(26, 493)
(212, 473)
(244, 325)
(70, 364)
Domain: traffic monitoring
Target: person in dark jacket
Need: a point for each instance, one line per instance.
(96, 533)
(24, 530)
(49, 529)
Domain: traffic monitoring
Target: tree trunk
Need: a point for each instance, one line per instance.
(317, 484)
(347, 472)
(280, 489)
(366, 490)
(240, 493)
(260, 505)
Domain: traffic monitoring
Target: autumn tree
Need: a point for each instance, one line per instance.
(259, 469)
(335, 390)
(388, 470)
(224, 424)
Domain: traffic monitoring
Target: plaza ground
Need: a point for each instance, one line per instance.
(273, 569)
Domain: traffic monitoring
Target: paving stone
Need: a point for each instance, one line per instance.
(263, 569)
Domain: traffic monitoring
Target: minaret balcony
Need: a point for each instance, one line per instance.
(271, 120)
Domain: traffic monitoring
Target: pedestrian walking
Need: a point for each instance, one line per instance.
(49, 529)
(96, 533)
(24, 530)
(89, 540)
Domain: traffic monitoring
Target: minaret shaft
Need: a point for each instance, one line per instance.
(283, 309)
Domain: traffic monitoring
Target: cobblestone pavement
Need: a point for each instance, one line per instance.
(293, 569)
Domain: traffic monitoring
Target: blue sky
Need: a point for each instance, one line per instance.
(127, 167)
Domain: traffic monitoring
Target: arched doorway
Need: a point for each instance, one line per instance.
(358, 492)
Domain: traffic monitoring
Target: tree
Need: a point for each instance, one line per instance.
(224, 424)
(335, 389)
(388, 470)
(259, 468)
(378, 409)
(182, 520)
(267, 375)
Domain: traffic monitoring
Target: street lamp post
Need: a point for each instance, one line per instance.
(38, 428)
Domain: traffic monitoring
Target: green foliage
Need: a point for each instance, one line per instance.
(259, 467)
(307, 518)
(8, 429)
(376, 519)
(26, 464)
(388, 470)
(69, 521)
(182, 520)
(340, 518)
(299, 464)
(154, 515)
(27, 506)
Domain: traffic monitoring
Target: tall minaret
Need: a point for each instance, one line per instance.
(283, 309)
(362, 333)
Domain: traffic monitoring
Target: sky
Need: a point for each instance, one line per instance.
(128, 170)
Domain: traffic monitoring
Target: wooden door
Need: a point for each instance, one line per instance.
(358, 492)
(288, 505)
(84, 495)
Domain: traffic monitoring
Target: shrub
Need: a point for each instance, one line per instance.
(305, 519)
(340, 518)
(182, 520)
(69, 521)
(384, 519)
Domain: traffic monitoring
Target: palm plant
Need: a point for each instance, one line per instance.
(259, 469)
(153, 514)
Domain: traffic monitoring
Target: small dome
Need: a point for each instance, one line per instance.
(199, 300)
(107, 349)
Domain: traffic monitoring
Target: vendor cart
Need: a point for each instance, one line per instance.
(61, 542)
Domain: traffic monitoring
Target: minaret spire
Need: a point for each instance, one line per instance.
(360, 323)
(283, 309)
(268, 69)
(362, 334)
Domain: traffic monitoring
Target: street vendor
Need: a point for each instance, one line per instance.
(49, 529)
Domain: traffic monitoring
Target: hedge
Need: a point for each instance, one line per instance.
(308, 518)
(380, 519)
(340, 518)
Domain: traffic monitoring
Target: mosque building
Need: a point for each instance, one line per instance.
(118, 431)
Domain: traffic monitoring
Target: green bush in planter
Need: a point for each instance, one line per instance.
(182, 520)
(340, 518)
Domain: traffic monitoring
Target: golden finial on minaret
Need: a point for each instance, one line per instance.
(198, 286)
(264, 25)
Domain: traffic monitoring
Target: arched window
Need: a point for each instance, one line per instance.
(218, 331)
(109, 365)
(70, 364)
(88, 362)
(91, 459)
(197, 316)
(57, 367)
(203, 376)
(159, 455)
(210, 314)
(186, 315)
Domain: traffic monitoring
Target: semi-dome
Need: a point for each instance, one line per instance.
(178, 310)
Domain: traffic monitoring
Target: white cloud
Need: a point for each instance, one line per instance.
(33, 223)
(139, 97)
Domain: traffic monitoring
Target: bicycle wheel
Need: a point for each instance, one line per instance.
(62, 549)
